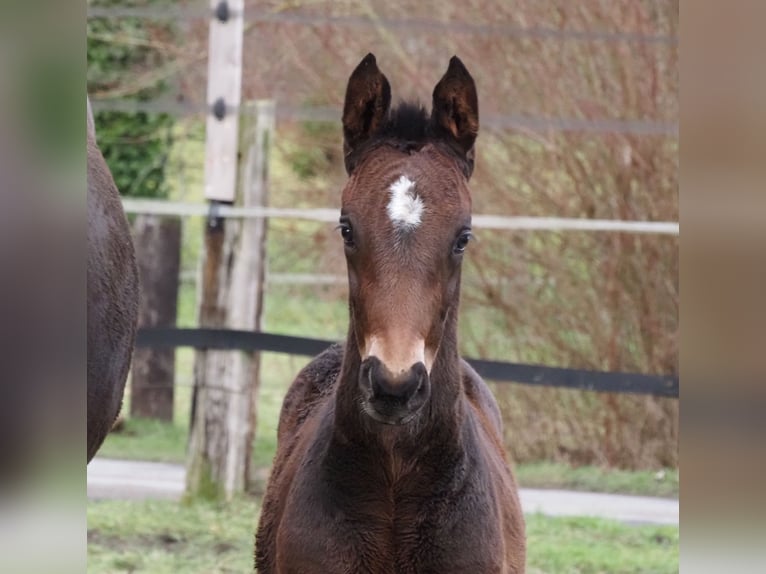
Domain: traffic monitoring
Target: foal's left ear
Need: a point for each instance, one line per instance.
(455, 112)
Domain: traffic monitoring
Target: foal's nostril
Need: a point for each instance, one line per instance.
(398, 389)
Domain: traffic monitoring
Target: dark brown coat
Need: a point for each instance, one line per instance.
(112, 282)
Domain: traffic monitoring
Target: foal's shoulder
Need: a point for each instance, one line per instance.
(314, 382)
(479, 394)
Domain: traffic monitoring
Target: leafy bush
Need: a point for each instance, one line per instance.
(123, 57)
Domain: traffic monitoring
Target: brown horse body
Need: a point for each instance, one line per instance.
(112, 297)
(389, 455)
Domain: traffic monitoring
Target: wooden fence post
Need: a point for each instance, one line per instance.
(226, 382)
(208, 431)
(158, 254)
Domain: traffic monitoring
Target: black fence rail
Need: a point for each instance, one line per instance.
(539, 375)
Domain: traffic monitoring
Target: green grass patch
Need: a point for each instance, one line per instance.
(141, 439)
(163, 537)
(593, 479)
(596, 546)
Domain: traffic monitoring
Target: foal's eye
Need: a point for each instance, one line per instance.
(347, 233)
(461, 242)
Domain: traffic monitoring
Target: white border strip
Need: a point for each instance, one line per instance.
(160, 207)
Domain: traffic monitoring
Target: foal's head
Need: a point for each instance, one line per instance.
(405, 222)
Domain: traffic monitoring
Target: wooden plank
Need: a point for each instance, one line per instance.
(224, 81)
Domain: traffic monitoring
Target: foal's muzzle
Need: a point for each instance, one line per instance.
(393, 399)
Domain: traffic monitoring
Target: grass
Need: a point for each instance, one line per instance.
(593, 479)
(591, 545)
(162, 537)
(141, 439)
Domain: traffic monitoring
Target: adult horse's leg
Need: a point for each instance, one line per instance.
(112, 279)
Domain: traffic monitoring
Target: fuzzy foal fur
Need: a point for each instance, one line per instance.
(433, 494)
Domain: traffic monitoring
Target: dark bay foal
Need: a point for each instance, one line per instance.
(390, 458)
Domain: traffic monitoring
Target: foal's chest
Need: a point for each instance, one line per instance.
(378, 535)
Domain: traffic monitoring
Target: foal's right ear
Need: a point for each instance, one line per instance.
(368, 97)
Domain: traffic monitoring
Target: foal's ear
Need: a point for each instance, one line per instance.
(368, 97)
(455, 112)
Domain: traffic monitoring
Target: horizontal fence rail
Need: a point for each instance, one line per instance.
(538, 375)
(513, 122)
(327, 215)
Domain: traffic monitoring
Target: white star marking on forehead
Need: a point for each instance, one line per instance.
(405, 208)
